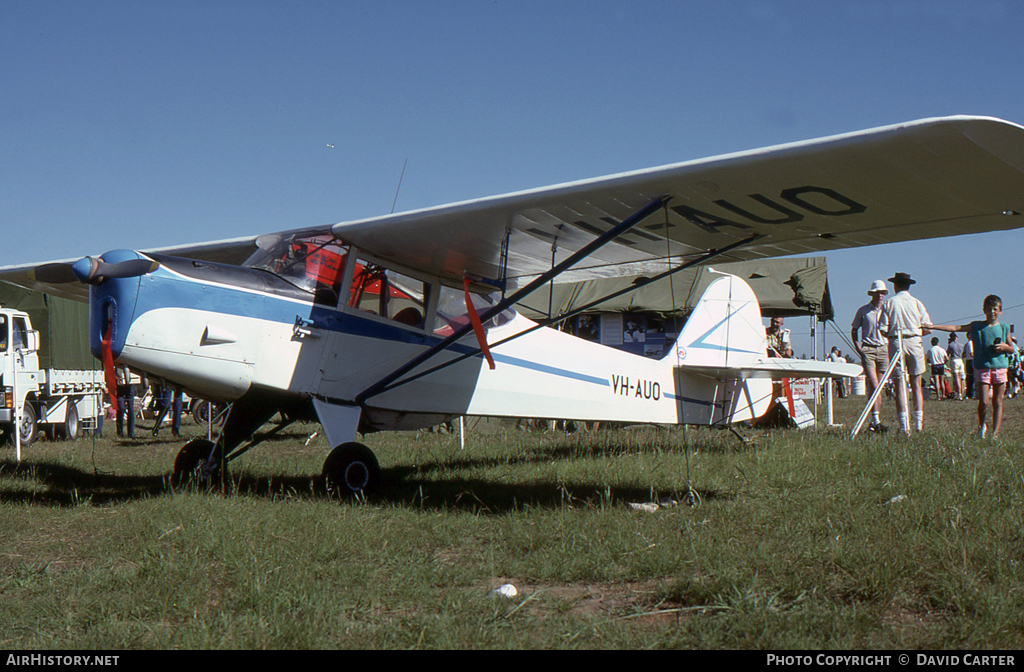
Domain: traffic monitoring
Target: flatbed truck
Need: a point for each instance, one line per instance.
(62, 402)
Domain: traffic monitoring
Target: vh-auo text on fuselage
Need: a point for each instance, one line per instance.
(644, 389)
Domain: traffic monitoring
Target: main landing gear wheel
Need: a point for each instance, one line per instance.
(351, 469)
(190, 466)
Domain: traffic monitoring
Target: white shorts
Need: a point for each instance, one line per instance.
(913, 355)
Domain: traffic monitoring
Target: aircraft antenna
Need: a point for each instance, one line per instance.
(399, 185)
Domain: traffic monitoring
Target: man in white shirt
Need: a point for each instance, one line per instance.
(779, 344)
(901, 320)
(872, 346)
(937, 358)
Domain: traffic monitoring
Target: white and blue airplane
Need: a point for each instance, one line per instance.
(406, 320)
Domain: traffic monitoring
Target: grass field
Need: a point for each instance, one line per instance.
(800, 539)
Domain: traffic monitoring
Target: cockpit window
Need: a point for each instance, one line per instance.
(388, 293)
(313, 263)
(452, 313)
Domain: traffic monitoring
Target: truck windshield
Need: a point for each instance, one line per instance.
(3, 333)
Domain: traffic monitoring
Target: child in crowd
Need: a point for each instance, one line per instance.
(992, 345)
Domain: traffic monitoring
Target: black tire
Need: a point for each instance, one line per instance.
(68, 430)
(201, 411)
(29, 426)
(351, 469)
(189, 465)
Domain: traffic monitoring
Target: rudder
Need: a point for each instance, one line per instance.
(723, 334)
(724, 329)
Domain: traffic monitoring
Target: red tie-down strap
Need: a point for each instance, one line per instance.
(108, 366)
(477, 327)
(787, 388)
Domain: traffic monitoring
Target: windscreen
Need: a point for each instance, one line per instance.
(314, 263)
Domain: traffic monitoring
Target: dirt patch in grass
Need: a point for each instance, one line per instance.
(633, 600)
(914, 624)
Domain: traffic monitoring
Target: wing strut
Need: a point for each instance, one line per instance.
(710, 254)
(515, 297)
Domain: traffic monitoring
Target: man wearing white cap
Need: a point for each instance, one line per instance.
(872, 346)
(902, 319)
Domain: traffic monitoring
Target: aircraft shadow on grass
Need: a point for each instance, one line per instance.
(49, 484)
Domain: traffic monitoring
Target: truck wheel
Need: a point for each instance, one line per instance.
(28, 427)
(68, 430)
(201, 411)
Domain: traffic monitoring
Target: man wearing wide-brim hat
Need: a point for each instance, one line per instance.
(872, 346)
(901, 320)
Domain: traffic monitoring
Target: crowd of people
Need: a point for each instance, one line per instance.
(985, 367)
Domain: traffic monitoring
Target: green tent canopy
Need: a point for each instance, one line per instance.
(784, 288)
(63, 327)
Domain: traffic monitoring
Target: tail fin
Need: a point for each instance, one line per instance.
(720, 341)
(724, 330)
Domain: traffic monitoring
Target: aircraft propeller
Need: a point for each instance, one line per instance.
(93, 270)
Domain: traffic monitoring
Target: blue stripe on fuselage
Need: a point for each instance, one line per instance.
(165, 289)
(555, 371)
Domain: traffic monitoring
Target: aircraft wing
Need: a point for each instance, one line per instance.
(232, 251)
(922, 179)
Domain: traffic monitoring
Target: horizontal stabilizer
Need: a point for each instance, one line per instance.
(778, 368)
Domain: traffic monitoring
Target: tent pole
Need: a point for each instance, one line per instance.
(814, 355)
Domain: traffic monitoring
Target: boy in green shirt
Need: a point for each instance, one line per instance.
(992, 345)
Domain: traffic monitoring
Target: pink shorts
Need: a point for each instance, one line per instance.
(989, 376)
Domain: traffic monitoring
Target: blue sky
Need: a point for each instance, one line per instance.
(142, 124)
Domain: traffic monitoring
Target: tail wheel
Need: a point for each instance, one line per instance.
(192, 465)
(351, 469)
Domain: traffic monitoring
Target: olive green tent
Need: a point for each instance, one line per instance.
(63, 327)
(784, 288)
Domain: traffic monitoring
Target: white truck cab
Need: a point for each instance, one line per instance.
(62, 402)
